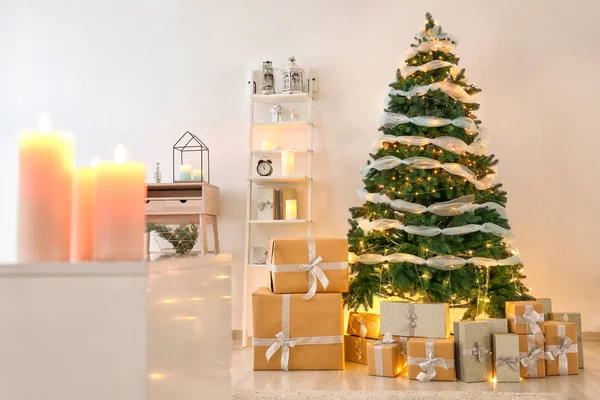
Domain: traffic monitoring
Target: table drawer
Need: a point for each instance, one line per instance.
(185, 206)
(155, 206)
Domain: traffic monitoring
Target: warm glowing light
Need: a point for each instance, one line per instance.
(225, 297)
(156, 376)
(44, 123)
(95, 162)
(120, 154)
(169, 301)
(222, 276)
(195, 298)
(494, 380)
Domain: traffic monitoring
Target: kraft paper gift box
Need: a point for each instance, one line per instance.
(431, 320)
(365, 325)
(525, 317)
(291, 333)
(571, 317)
(505, 357)
(308, 265)
(561, 342)
(532, 357)
(385, 357)
(431, 359)
(265, 203)
(355, 348)
(547, 304)
(282, 196)
(472, 348)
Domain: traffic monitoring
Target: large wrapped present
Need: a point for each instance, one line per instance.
(430, 320)
(431, 359)
(505, 357)
(385, 357)
(355, 348)
(308, 265)
(546, 304)
(291, 333)
(472, 349)
(266, 205)
(561, 342)
(497, 325)
(365, 325)
(571, 317)
(525, 317)
(532, 357)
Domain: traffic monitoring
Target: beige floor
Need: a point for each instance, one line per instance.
(585, 386)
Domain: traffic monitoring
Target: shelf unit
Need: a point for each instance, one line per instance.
(274, 128)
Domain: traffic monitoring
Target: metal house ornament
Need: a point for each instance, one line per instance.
(293, 77)
(268, 86)
(276, 113)
(193, 158)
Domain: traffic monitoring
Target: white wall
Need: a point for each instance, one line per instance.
(143, 72)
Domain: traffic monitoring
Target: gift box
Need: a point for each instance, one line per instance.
(571, 317)
(282, 196)
(532, 357)
(431, 320)
(561, 342)
(365, 325)
(355, 348)
(385, 357)
(547, 305)
(259, 255)
(472, 348)
(505, 357)
(265, 203)
(525, 317)
(497, 325)
(308, 265)
(431, 359)
(291, 333)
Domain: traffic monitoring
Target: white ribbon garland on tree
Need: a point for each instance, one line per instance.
(453, 90)
(458, 206)
(430, 45)
(448, 143)
(391, 120)
(408, 70)
(385, 224)
(391, 162)
(445, 262)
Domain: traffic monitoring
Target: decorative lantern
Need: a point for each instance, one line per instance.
(193, 158)
(293, 77)
(268, 86)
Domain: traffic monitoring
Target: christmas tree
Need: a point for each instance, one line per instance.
(433, 226)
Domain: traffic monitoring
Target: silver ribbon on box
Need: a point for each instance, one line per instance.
(512, 362)
(282, 340)
(314, 267)
(532, 355)
(262, 205)
(561, 350)
(362, 332)
(532, 319)
(478, 351)
(412, 317)
(430, 363)
(378, 349)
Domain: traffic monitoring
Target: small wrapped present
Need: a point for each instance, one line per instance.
(571, 317)
(404, 346)
(365, 325)
(532, 357)
(472, 349)
(497, 325)
(308, 265)
(293, 334)
(355, 348)
(525, 317)
(265, 203)
(431, 359)
(431, 320)
(547, 305)
(561, 342)
(282, 196)
(384, 357)
(259, 255)
(505, 358)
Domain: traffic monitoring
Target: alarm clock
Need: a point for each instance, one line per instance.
(264, 167)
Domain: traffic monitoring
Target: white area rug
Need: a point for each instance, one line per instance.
(387, 395)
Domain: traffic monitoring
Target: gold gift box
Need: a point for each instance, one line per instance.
(355, 349)
(286, 255)
(571, 317)
(370, 322)
(384, 359)
(570, 360)
(442, 348)
(472, 349)
(515, 309)
(527, 344)
(506, 352)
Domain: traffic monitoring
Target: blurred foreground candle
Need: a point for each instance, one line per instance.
(287, 163)
(119, 206)
(198, 175)
(45, 194)
(185, 172)
(291, 209)
(84, 188)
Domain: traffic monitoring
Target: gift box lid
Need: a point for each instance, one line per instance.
(296, 250)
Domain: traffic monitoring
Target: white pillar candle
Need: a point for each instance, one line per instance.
(291, 209)
(287, 163)
(185, 172)
(267, 145)
(198, 175)
(45, 194)
(119, 209)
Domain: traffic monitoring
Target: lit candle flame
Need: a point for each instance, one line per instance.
(44, 123)
(120, 154)
(95, 162)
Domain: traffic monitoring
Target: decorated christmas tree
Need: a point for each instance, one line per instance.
(433, 226)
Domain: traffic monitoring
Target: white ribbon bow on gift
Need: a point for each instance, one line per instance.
(428, 367)
(285, 344)
(386, 339)
(512, 362)
(562, 349)
(264, 204)
(532, 318)
(534, 356)
(479, 351)
(362, 322)
(316, 274)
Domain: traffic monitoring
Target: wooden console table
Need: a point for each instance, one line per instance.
(182, 203)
